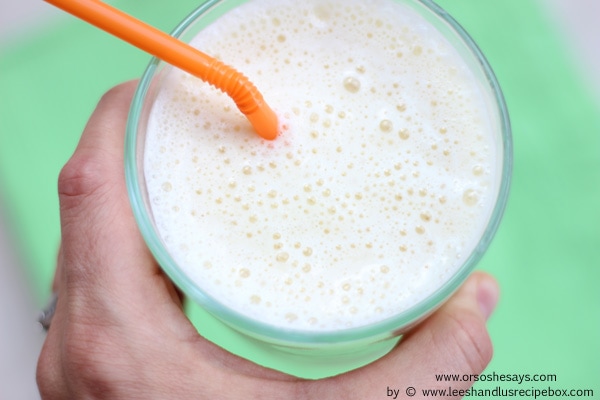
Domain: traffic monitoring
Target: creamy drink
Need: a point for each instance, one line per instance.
(380, 185)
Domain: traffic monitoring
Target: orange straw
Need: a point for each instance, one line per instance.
(145, 37)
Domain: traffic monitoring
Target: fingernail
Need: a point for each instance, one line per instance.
(487, 295)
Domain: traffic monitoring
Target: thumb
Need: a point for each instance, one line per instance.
(453, 341)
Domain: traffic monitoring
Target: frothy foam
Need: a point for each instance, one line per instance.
(377, 190)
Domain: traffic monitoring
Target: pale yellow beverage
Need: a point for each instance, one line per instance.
(378, 189)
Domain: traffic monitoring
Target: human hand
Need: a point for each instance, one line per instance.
(119, 331)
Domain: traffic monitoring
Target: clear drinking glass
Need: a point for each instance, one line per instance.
(348, 347)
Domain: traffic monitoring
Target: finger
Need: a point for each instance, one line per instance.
(110, 291)
(454, 340)
(102, 250)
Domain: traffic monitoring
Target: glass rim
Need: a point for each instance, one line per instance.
(287, 336)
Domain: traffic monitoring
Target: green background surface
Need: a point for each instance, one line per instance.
(546, 254)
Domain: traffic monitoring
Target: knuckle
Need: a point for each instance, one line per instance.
(48, 381)
(92, 168)
(90, 362)
(80, 178)
(73, 361)
(90, 209)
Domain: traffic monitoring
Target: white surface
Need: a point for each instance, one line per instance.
(17, 16)
(579, 18)
(20, 335)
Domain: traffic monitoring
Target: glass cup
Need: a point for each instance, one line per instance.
(332, 350)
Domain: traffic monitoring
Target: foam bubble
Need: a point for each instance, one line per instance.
(372, 196)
